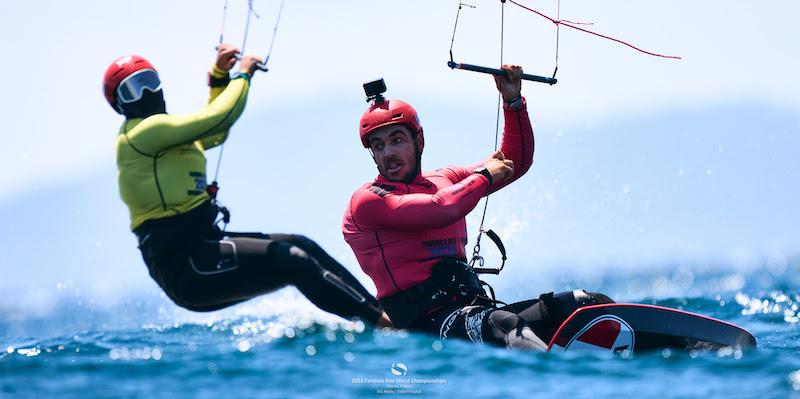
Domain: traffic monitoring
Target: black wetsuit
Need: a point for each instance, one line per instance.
(453, 304)
(202, 268)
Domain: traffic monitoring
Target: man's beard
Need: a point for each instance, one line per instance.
(412, 174)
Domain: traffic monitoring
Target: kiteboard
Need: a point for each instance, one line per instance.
(623, 328)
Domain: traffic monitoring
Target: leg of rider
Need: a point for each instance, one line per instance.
(523, 325)
(222, 273)
(324, 288)
(531, 324)
(230, 271)
(326, 261)
(508, 327)
(535, 316)
(484, 324)
(545, 315)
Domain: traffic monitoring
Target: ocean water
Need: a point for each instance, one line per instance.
(279, 346)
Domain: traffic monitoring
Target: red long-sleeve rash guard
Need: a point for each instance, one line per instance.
(398, 231)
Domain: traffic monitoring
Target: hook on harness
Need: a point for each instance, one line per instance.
(477, 258)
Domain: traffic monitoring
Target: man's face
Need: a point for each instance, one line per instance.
(395, 152)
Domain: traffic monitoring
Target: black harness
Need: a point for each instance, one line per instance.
(452, 283)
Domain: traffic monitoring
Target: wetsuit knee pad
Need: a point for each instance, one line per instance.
(585, 298)
(294, 263)
(299, 240)
(287, 253)
(557, 307)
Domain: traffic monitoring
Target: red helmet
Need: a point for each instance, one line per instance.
(121, 69)
(388, 112)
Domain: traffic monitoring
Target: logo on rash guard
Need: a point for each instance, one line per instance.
(445, 247)
(199, 183)
(382, 189)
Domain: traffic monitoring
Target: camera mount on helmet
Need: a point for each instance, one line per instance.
(384, 112)
(374, 90)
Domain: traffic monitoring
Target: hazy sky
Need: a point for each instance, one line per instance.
(638, 158)
(61, 127)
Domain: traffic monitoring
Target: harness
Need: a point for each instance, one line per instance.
(453, 282)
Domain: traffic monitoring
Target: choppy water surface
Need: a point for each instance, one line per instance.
(281, 347)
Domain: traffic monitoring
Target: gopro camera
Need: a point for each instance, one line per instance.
(374, 90)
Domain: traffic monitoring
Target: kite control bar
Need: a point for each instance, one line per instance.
(259, 65)
(499, 72)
